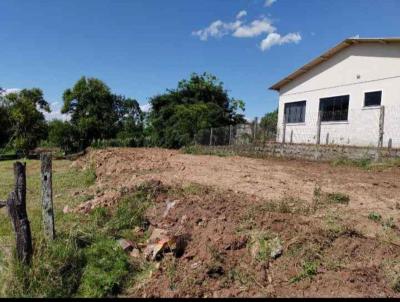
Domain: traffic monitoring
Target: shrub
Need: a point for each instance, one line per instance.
(375, 216)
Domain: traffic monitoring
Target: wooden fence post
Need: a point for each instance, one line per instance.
(291, 136)
(327, 138)
(47, 196)
(211, 136)
(16, 206)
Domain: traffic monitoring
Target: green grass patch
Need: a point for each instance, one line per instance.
(375, 216)
(85, 260)
(309, 270)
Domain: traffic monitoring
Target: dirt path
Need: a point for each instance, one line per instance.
(121, 169)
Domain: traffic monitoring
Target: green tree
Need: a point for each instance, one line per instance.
(198, 103)
(28, 124)
(5, 128)
(64, 135)
(269, 124)
(96, 113)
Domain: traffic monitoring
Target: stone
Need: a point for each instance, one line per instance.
(276, 248)
(66, 210)
(125, 244)
(135, 253)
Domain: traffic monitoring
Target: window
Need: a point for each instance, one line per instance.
(373, 98)
(334, 109)
(295, 112)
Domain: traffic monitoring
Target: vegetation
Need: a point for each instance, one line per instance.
(97, 117)
(269, 124)
(198, 103)
(85, 260)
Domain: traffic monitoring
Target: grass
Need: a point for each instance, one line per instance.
(199, 150)
(367, 164)
(85, 260)
(375, 216)
(309, 270)
(321, 198)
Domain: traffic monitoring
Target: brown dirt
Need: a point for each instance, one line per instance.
(229, 209)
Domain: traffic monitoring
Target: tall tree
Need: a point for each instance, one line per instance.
(197, 103)
(95, 112)
(28, 124)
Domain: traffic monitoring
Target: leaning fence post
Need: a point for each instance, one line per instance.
(47, 196)
(211, 136)
(16, 206)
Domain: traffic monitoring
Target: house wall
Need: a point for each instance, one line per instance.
(358, 69)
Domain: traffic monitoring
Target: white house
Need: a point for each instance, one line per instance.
(347, 87)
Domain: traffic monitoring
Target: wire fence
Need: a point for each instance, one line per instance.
(366, 127)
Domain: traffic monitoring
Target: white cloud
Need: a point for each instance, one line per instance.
(276, 39)
(256, 28)
(9, 90)
(242, 29)
(217, 29)
(241, 14)
(145, 107)
(269, 3)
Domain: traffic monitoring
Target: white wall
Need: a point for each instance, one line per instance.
(358, 69)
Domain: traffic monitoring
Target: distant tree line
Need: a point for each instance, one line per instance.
(98, 117)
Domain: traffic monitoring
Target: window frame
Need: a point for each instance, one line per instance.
(321, 100)
(372, 106)
(286, 119)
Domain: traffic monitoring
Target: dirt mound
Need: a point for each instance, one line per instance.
(252, 227)
(229, 254)
(121, 169)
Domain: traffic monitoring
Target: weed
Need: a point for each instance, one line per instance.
(321, 198)
(309, 270)
(338, 198)
(375, 216)
(388, 223)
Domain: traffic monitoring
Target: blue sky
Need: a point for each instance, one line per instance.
(142, 47)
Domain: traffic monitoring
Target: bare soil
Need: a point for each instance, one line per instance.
(231, 208)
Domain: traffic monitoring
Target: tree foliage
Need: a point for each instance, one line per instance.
(269, 123)
(28, 125)
(96, 113)
(198, 103)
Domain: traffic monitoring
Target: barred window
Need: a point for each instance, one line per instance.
(295, 112)
(334, 109)
(373, 98)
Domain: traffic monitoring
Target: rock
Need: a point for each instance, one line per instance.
(184, 219)
(275, 247)
(135, 253)
(154, 251)
(158, 235)
(170, 205)
(125, 244)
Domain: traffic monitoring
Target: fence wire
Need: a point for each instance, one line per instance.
(366, 127)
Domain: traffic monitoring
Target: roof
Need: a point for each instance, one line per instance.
(329, 54)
